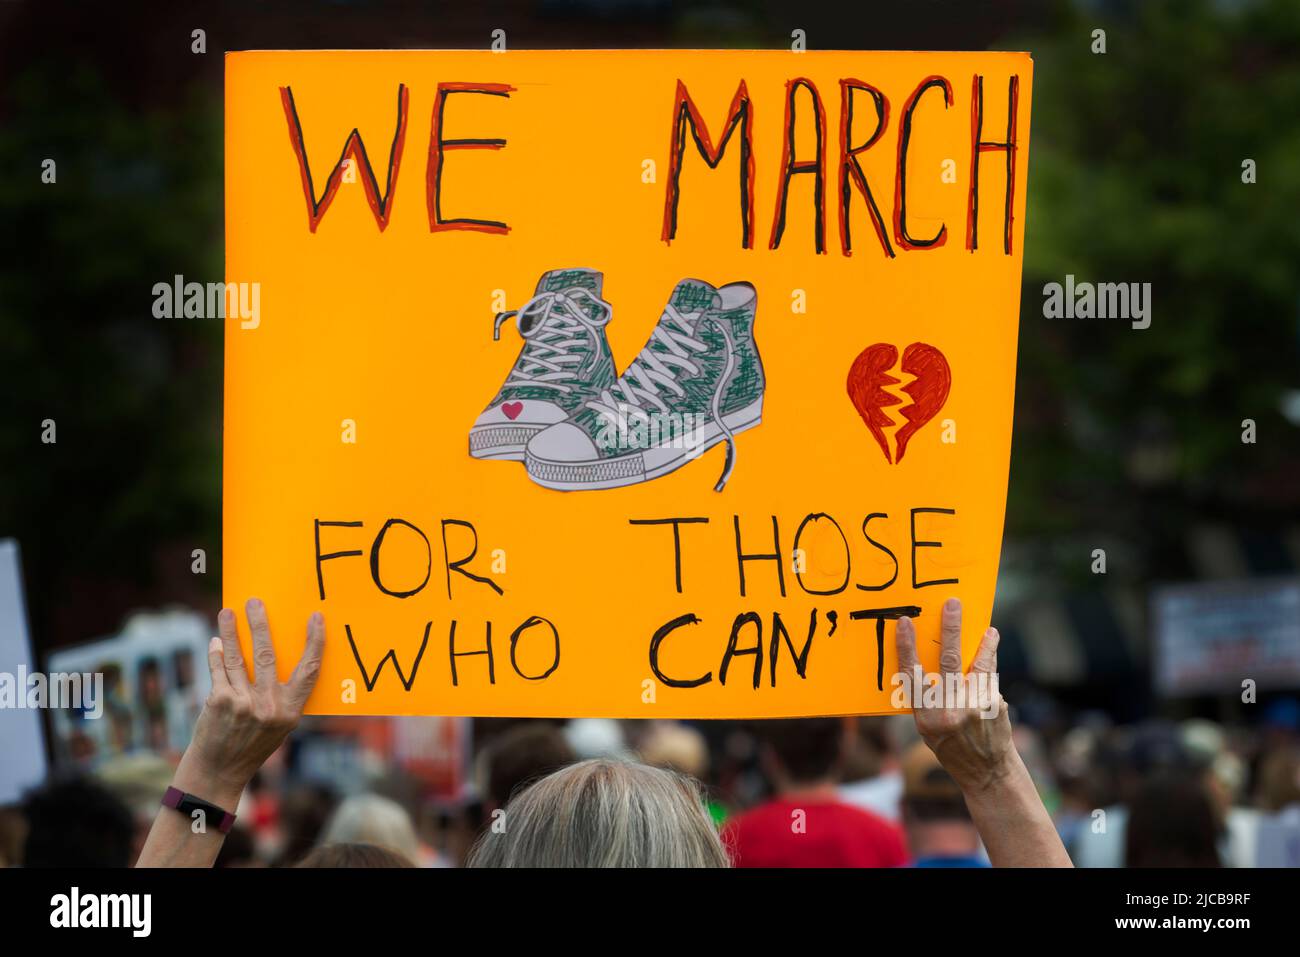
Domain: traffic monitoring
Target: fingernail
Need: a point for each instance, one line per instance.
(317, 618)
(952, 604)
(214, 644)
(225, 614)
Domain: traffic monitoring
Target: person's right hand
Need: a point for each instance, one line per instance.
(973, 743)
(243, 721)
(240, 726)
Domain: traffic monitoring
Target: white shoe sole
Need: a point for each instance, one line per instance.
(502, 442)
(639, 466)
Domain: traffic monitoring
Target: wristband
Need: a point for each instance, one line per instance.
(187, 804)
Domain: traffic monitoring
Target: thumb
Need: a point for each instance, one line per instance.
(217, 666)
(307, 671)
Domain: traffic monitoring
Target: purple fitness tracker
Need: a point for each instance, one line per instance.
(187, 804)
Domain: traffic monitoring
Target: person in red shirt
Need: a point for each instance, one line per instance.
(806, 824)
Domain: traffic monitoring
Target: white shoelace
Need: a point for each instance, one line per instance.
(639, 384)
(557, 324)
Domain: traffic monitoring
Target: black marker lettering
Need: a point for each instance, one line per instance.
(676, 523)
(658, 639)
(374, 559)
(916, 545)
(454, 654)
(456, 566)
(372, 679)
(320, 578)
(774, 556)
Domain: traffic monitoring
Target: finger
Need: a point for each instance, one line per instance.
(230, 653)
(905, 638)
(305, 673)
(217, 666)
(950, 638)
(263, 650)
(986, 657)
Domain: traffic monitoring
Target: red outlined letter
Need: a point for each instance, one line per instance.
(900, 181)
(789, 166)
(438, 146)
(380, 206)
(685, 113)
(979, 146)
(851, 174)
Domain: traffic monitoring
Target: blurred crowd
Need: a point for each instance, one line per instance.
(1176, 794)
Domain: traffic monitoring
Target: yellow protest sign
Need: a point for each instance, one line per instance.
(622, 383)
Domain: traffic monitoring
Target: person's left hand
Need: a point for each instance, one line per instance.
(243, 722)
(972, 738)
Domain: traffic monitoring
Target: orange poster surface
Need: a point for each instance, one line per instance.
(620, 383)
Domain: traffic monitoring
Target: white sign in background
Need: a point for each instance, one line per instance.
(22, 739)
(1210, 636)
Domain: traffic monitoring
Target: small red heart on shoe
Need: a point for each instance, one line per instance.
(512, 409)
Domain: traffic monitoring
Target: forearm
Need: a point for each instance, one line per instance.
(1013, 823)
(176, 840)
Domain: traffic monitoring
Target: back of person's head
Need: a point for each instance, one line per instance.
(239, 849)
(603, 813)
(1153, 749)
(304, 812)
(1279, 779)
(353, 855)
(1172, 823)
(521, 755)
(371, 819)
(596, 738)
(933, 809)
(876, 744)
(676, 747)
(929, 792)
(13, 831)
(804, 750)
(77, 823)
(138, 779)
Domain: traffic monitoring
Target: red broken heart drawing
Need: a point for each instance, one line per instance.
(869, 375)
(512, 409)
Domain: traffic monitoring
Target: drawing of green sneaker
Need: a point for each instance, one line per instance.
(698, 382)
(565, 360)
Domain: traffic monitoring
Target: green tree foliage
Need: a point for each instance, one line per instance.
(1136, 175)
(137, 400)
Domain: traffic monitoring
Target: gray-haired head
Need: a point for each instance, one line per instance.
(373, 819)
(604, 813)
